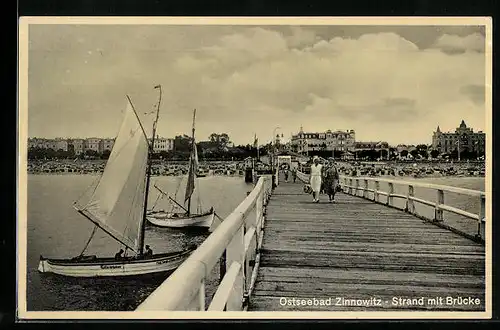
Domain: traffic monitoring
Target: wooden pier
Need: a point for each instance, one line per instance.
(354, 250)
(279, 251)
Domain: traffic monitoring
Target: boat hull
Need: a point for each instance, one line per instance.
(166, 220)
(109, 267)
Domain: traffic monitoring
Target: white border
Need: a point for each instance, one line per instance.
(24, 22)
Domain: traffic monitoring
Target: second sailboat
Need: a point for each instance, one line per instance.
(185, 218)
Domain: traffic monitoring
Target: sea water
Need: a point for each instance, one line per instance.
(56, 230)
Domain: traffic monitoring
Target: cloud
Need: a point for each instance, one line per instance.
(475, 92)
(387, 111)
(246, 80)
(300, 37)
(458, 44)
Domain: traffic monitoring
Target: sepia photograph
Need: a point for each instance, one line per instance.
(254, 167)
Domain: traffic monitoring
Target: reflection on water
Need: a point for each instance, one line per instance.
(56, 230)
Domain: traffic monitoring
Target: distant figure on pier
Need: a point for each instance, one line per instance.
(285, 171)
(316, 173)
(119, 255)
(331, 178)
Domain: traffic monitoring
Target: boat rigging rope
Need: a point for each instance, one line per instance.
(176, 191)
(88, 242)
(178, 186)
(218, 217)
(156, 202)
(94, 185)
(200, 207)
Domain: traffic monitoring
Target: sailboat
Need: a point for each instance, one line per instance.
(201, 219)
(118, 206)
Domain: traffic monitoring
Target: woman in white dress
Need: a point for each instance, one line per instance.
(315, 181)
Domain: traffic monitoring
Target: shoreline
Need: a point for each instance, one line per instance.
(435, 176)
(410, 170)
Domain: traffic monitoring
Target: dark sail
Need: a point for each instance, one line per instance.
(193, 166)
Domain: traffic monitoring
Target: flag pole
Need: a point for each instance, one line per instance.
(148, 174)
(257, 142)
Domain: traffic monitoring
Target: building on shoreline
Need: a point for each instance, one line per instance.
(80, 146)
(162, 144)
(61, 144)
(106, 144)
(342, 141)
(55, 144)
(37, 143)
(463, 139)
(377, 145)
(93, 144)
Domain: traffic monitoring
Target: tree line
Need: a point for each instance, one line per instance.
(420, 151)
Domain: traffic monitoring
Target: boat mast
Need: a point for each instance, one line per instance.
(191, 161)
(148, 175)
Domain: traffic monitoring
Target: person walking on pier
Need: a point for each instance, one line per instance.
(331, 180)
(294, 174)
(316, 174)
(285, 171)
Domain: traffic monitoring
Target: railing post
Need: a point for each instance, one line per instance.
(410, 205)
(258, 210)
(236, 252)
(259, 205)
(201, 296)
(390, 198)
(438, 213)
(350, 187)
(482, 217)
(365, 189)
(356, 187)
(376, 195)
(222, 266)
(265, 191)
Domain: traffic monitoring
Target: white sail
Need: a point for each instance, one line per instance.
(117, 203)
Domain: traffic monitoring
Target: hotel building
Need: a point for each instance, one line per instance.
(304, 142)
(464, 138)
(162, 144)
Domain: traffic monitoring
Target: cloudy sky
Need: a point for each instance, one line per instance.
(391, 83)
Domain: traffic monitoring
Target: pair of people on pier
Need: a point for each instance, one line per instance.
(324, 178)
(294, 174)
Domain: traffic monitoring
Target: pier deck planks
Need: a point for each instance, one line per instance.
(357, 249)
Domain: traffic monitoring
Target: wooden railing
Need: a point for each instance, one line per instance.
(276, 176)
(235, 244)
(360, 186)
